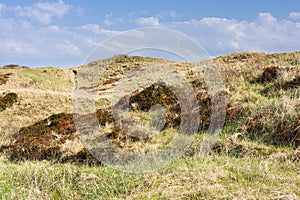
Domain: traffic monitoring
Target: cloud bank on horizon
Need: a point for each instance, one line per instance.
(57, 33)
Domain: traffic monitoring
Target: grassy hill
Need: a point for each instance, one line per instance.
(256, 157)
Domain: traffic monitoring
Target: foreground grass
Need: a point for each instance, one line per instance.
(213, 177)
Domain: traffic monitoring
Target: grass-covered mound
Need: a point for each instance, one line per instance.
(53, 138)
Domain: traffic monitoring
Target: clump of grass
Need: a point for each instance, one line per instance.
(8, 100)
(213, 177)
(277, 124)
(295, 83)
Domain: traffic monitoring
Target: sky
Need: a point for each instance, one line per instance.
(62, 33)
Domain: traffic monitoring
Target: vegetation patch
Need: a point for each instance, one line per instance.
(8, 100)
(159, 94)
(4, 78)
(269, 74)
(44, 141)
(266, 126)
(11, 66)
(295, 83)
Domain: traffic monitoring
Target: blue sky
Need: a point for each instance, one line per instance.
(63, 32)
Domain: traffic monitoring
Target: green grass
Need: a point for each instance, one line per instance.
(212, 177)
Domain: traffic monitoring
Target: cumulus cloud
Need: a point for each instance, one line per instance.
(221, 36)
(148, 21)
(295, 15)
(43, 12)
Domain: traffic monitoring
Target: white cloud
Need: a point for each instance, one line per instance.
(295, 15)
(58, 9)
(148, 21)
(69, 48)
(42, 43)
(222, 36)
(47, 45)
(43, 12)
(95, 28)
(2, 7)
(17, 47)
(266, 19)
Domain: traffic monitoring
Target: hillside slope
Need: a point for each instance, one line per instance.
(261, 126)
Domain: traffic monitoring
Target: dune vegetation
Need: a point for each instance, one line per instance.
(256, 156)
